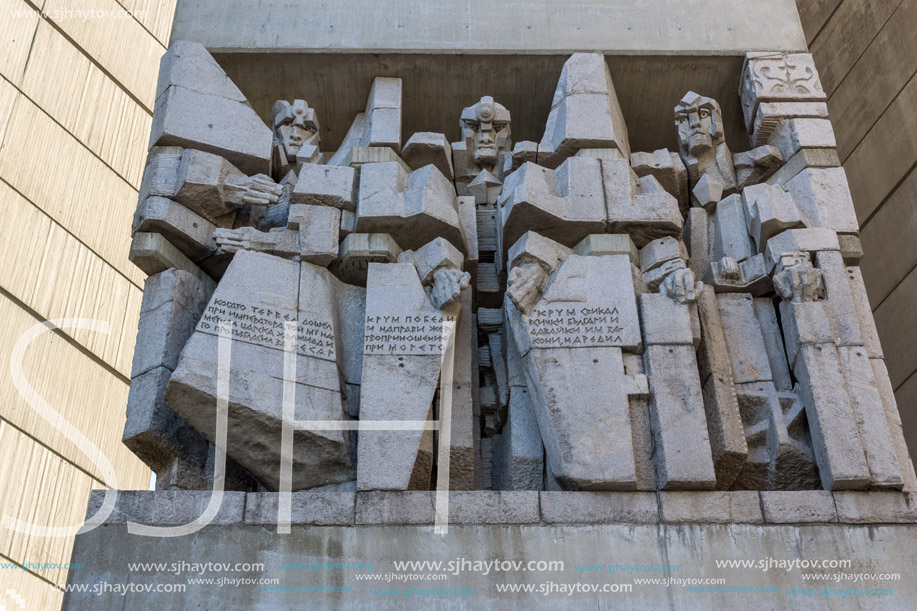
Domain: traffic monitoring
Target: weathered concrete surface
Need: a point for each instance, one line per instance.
(106, 552)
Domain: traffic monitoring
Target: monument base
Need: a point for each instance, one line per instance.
(505, 550)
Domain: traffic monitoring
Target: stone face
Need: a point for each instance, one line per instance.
(585, 113)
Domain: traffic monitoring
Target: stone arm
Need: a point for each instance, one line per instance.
(282, 242)
(756, 165)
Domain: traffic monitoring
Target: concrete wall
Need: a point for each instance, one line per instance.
(866, 53)
(75, 109)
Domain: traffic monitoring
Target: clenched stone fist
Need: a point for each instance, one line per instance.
(448, 283)
(524, 285)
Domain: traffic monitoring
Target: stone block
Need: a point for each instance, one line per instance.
(747, 350)
(641, 425)
(807, 322)
(697, 239)
(173, 302)
(773, 342)
(668, 169)
(361, 155)
(769, 210)
(465, 507)
(358, 250)
(436, 254)
(210, 185)
(188, 64)
(414, 208)
(169, 507)
(730, 234)
(805, 158)
(152, 431)
(756, 165)
(424, 148)
(638, 206)
(254, 283)
(659, 251)
(319, 232)
(743, 507)
(519, 454)
(876, 507)
(599, 507)
(799, 240)
(777, 77)
(683, 457)
(584, 113)
(832, 422)
(793, 135)
(770, 114)
(798, 506)
(868, 331)
(383, 114)
(664, 321)
(824, 199)
(845, 322)
(218, 125)
(869, 413)
(325, 185)
(188, 231)
(600, 244)
(154, 254)
(398, 383)
(535, 246)
(893, 419)
(565, 204)
(309, 508)
(851, 248)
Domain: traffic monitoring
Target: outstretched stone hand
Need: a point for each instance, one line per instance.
(524, 285)
(262, 191)
(234, 240)
(448, 283)
(680, 286)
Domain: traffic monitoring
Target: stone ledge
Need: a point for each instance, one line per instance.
(743, 507)
(599, 507)
(465, 507)
(876, 507)
(308, 508)
(168, 507)
(798, 507)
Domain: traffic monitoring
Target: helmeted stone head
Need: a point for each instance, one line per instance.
(485, 129)
(700, 124)
(295, 125)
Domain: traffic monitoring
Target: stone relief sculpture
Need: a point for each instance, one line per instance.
(615, 320)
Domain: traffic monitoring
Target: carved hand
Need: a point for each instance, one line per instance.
(234, 240)
(680, 286)
(800, 283)
(262, 191)
(448, 283)
(524, 284)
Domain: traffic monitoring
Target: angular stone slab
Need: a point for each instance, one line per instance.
(256, 295)
(684, 460)
(584, 113)
(401, 368)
